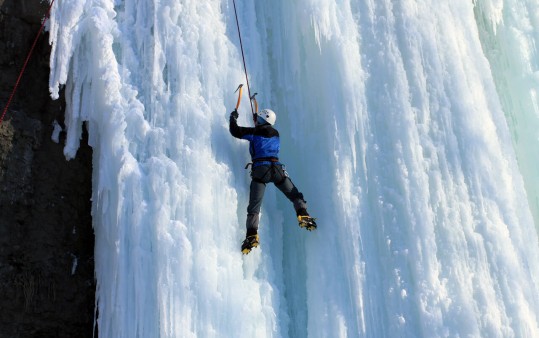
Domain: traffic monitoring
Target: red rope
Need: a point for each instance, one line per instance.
(243, 57)
(26, 63)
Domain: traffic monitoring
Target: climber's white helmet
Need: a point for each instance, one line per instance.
(267, 115)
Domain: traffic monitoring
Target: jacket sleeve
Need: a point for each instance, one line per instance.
(239, 132)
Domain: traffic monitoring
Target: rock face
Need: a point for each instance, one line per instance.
(47, 282)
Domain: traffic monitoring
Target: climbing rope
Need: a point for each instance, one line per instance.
(26, 63)
(243, 57)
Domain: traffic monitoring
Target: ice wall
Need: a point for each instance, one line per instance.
(391, 125)
(509, 34)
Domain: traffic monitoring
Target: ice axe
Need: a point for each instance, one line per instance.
(256, 103)
(240, 88)
(253, 98)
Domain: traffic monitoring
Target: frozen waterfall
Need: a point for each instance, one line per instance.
(411, 127)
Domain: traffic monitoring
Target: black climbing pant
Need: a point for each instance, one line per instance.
(263, 174)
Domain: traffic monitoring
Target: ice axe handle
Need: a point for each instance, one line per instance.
(253, 98)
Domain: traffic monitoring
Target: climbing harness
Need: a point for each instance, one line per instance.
(263, 160)
(272, 164)
(245, 70)
(26, 62)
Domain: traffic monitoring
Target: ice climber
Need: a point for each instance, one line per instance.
(264, 147)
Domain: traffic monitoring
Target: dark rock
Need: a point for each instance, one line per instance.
(43, 197)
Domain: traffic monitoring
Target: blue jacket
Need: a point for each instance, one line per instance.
(264, 143)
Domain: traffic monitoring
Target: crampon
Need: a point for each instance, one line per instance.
(249, 243)
(307, 222)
